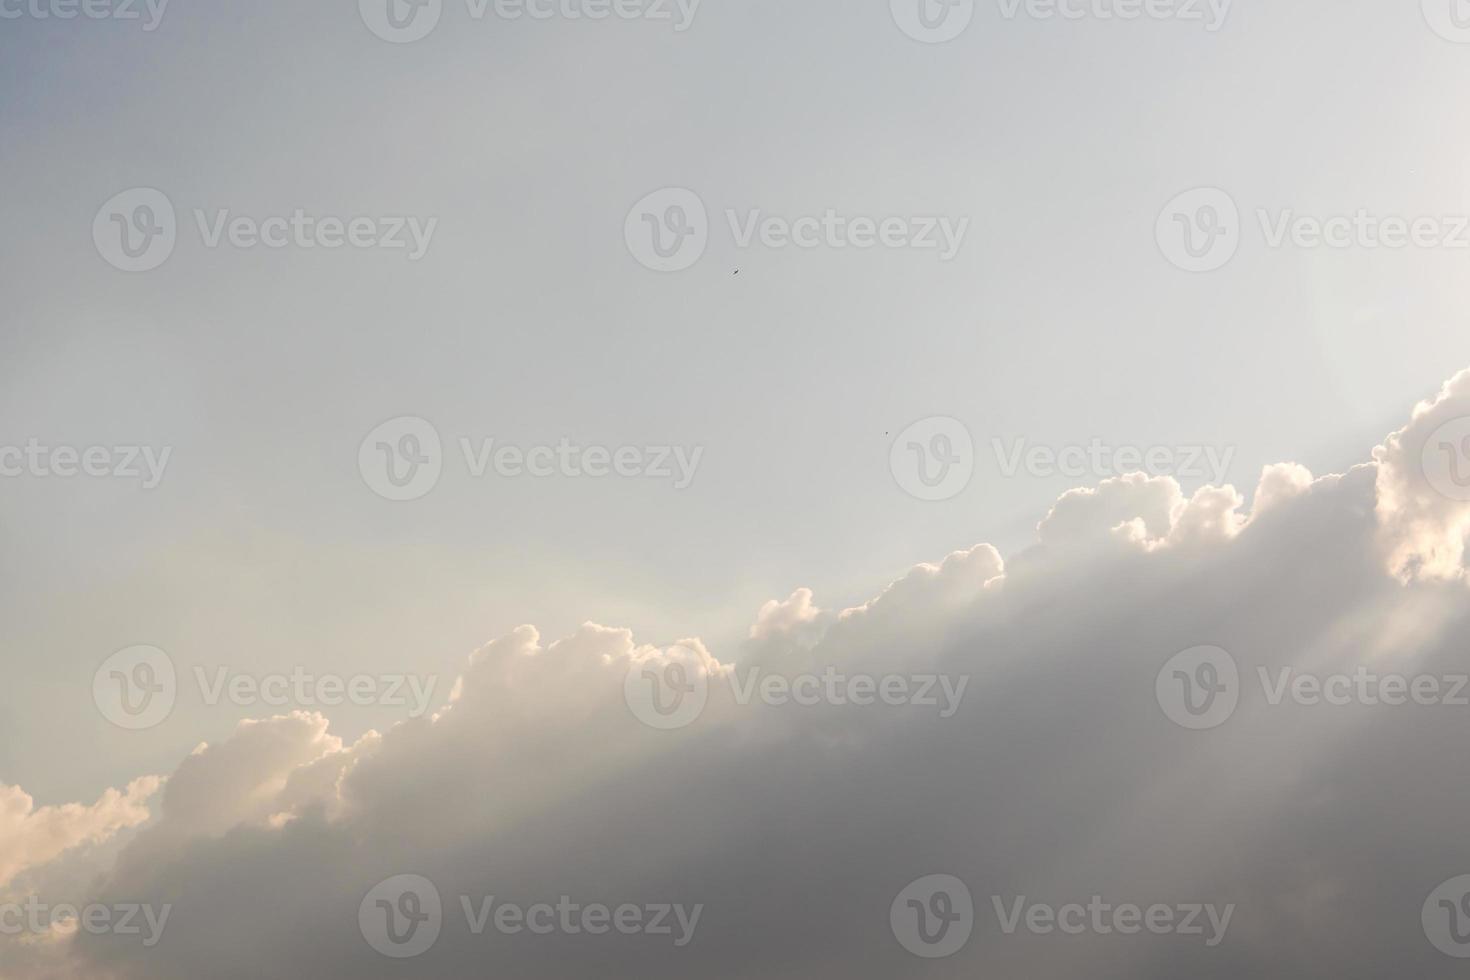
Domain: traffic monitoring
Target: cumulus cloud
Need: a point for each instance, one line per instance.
(797, 617)
(793, 824)
(1423, 495)
(31, 835)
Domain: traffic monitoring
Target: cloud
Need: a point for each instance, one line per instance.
(1423, 497)
(795, 826)
(31, 836)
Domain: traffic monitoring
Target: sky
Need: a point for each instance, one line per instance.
(350, 304)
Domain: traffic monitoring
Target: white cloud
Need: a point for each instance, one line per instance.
(796, 826)
(1424, 527)
(32, 836)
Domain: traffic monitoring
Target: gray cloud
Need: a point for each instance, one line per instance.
(795, 827)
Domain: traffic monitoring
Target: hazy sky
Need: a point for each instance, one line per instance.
(791, 383)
